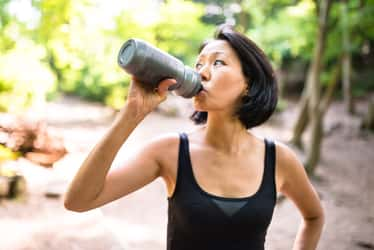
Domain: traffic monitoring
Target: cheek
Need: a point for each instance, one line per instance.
(224, 93)
(230, 82)
(229, 93)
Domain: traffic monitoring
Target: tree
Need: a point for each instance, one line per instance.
(346, 72)
(314, 109)
(367, 121)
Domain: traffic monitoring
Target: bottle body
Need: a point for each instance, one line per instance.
(150, 65)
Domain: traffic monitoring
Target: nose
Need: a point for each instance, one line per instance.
(204, 73)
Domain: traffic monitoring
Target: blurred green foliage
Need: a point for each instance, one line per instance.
(7, 154)
(53, 46)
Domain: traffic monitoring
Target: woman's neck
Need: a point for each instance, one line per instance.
(227, 135)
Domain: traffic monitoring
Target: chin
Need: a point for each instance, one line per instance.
(198, 106)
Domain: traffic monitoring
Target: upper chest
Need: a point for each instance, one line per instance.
(217, 173)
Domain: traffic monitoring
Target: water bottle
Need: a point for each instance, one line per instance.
(150, 65)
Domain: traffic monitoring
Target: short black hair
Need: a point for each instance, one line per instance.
(260, 102)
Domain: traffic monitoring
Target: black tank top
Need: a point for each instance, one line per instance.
(198, 220)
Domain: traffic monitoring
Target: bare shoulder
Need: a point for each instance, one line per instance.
(165, 140)
(285, 154)
(163, 143)
(166, 145)
(287, 164)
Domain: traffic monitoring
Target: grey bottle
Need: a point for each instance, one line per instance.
(150, 65)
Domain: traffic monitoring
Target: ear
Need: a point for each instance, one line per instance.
(245, 91)
(247, 83)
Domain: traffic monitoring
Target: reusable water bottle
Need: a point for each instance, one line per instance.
(150, 65)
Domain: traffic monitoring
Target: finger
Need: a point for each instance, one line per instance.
(165, 84)
(163, 88)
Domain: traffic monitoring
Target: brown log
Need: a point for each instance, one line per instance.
(31, 138)
(12, 186)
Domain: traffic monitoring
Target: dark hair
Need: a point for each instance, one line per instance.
(260, 102)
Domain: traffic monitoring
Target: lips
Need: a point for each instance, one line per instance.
(200, 89)
(202, 92)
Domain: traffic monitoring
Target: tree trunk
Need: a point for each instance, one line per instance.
(315, 114)
(317, 128)
(329, 93)
(346, 71)
(313, 154)
(52, 64)
(368, 120)
(302, 120)
(280, 81)
(243, 18)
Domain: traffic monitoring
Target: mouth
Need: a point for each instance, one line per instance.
(201, 93)
(202, 89)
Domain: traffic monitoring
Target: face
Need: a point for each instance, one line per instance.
(222, 78)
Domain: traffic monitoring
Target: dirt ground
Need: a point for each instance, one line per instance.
(344, 180)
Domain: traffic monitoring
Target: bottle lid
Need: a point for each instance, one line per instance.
(126, 53)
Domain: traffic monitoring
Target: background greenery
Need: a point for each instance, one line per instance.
(48, 47)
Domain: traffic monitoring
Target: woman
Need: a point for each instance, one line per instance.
(222, 180)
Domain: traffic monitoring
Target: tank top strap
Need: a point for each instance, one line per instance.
(184, 174)
(269, 175)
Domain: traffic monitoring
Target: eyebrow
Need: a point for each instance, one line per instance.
(213, 53)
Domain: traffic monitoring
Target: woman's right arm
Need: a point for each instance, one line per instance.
(94, 185)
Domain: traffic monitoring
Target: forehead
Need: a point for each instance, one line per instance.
(217, 47)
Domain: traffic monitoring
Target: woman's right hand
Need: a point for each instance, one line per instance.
(141, 101)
